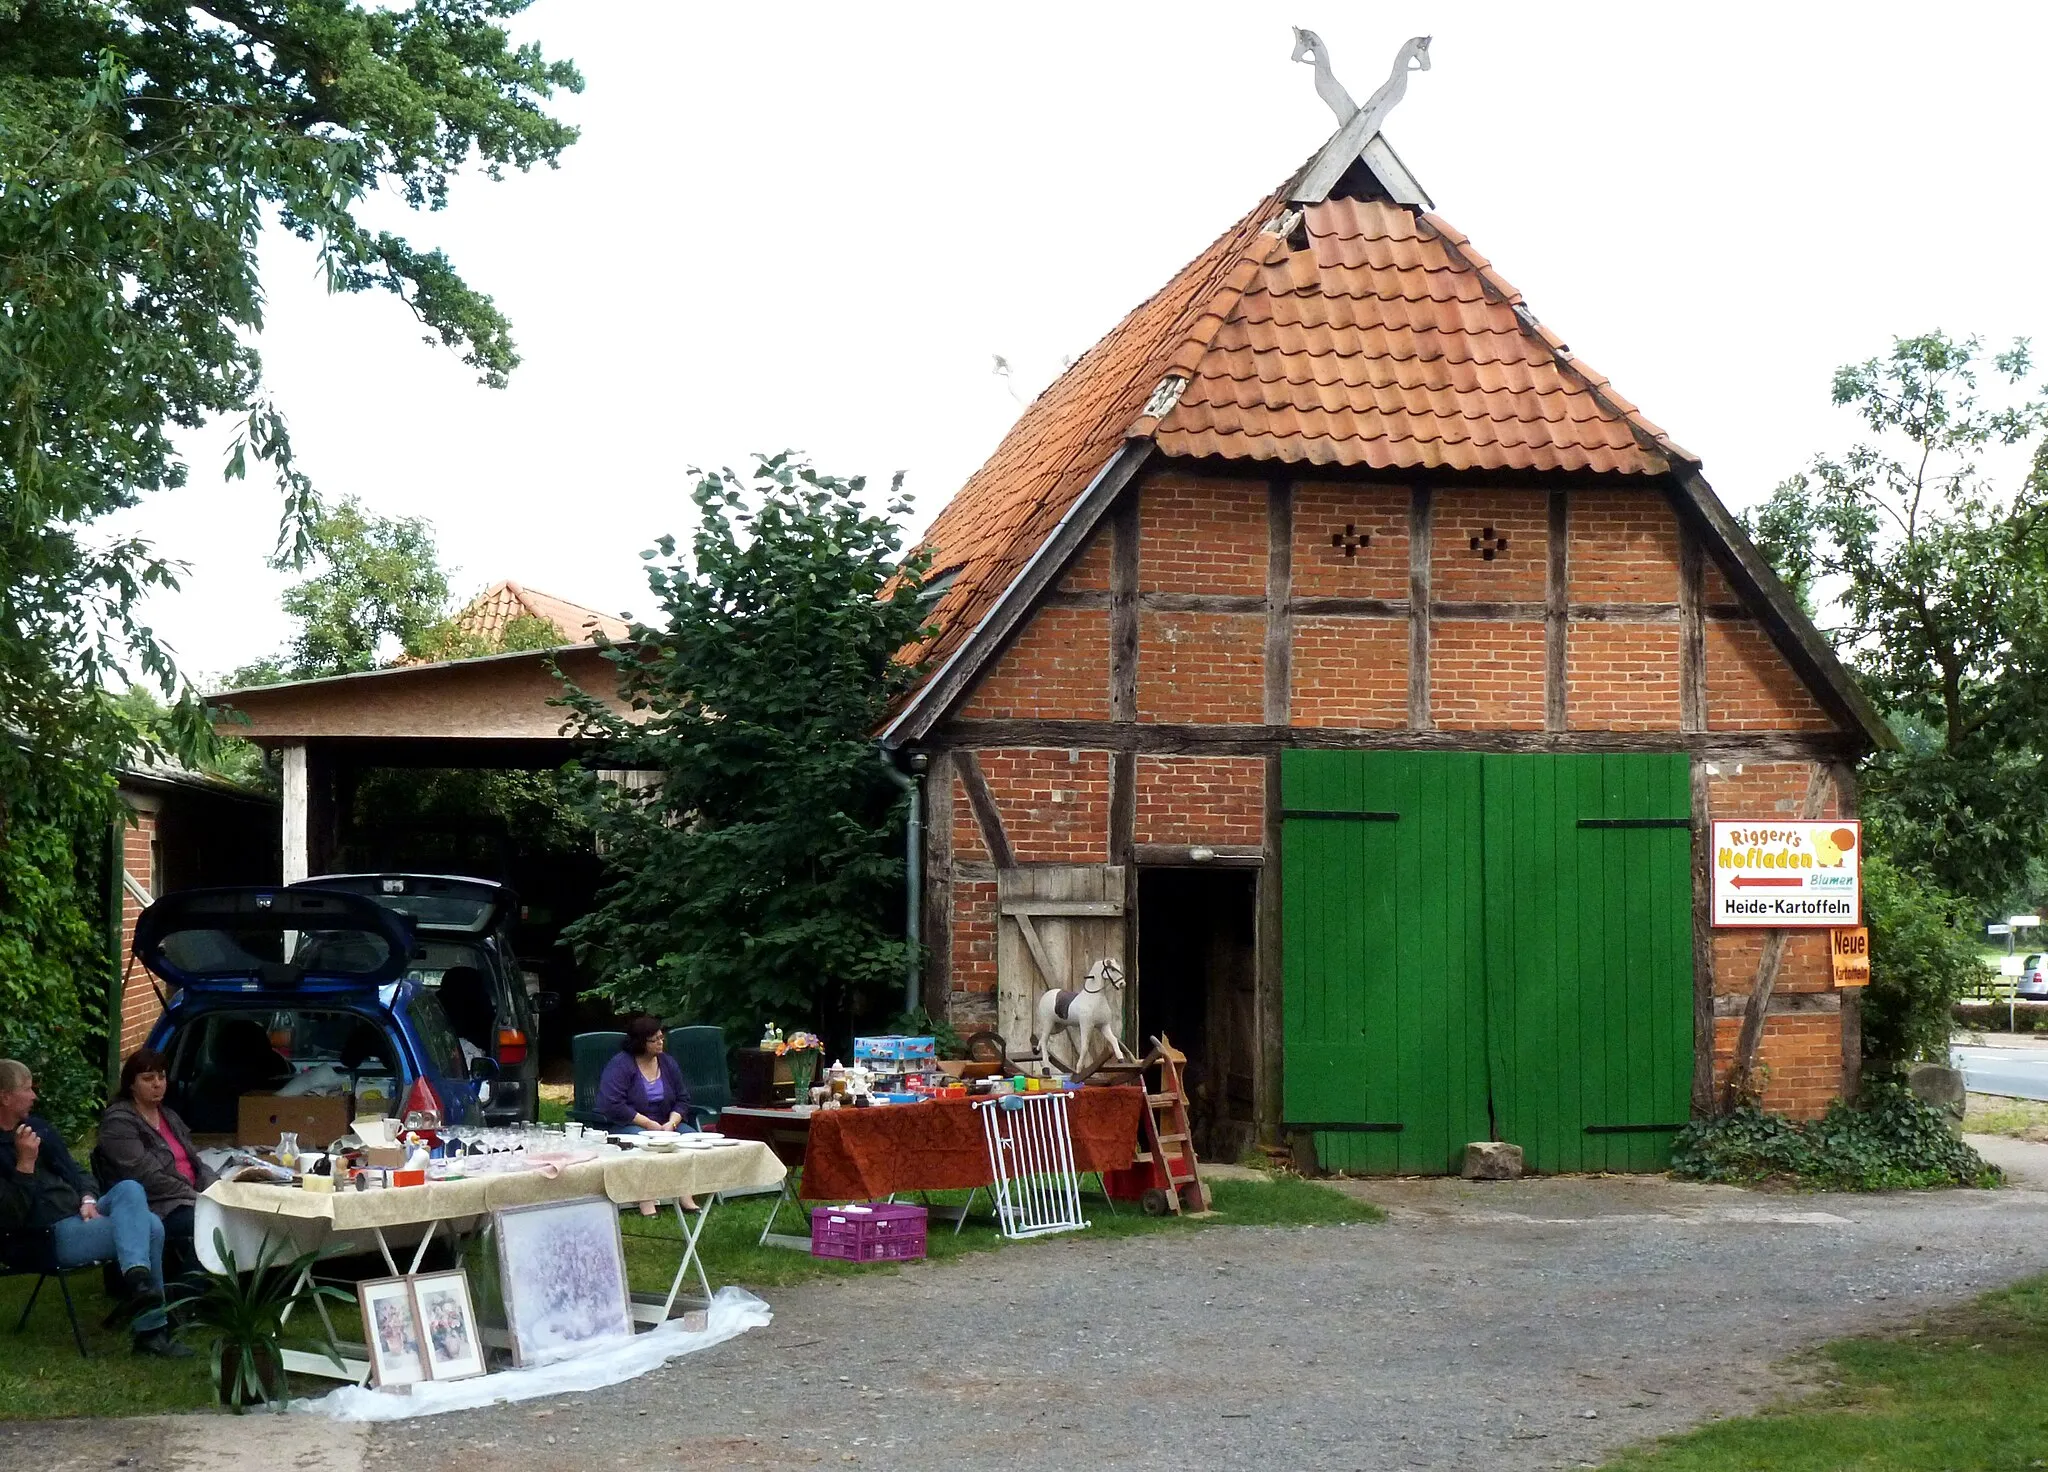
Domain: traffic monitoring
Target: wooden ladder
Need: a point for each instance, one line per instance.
(1169, 1139)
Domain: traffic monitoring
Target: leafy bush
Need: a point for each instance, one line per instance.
(1922, 958)
(1889, 1141)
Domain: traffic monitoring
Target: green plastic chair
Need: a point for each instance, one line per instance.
(700, 1053)
(588, 1053)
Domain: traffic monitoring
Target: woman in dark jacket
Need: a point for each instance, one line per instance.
(642, 1088)
(142, 1141)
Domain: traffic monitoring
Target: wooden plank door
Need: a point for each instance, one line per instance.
(1589, 956)
(1382, 997)
(1054, 921)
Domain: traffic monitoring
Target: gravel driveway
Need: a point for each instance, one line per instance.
(1534, 1324)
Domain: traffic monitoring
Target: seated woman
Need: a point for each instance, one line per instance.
(143, 1141)
(642, 1088)
(43, 1190)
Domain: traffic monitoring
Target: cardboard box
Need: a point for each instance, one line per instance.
(261, 1118)
(962, 1068)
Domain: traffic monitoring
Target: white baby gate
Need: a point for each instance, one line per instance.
(1031, 1156)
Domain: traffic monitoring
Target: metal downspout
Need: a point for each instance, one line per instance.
(913, 872)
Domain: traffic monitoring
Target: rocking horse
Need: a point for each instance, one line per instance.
(1080, 1017)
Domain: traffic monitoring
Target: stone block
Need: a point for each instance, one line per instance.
(1492, 1160)
(1942, 1087)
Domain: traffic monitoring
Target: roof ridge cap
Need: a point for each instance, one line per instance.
(1455, 244)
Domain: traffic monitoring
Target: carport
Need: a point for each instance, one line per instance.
(490, 711)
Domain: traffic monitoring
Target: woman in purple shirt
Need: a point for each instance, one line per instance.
(642, 1088)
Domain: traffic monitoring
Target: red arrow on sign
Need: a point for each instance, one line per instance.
(1743, 881)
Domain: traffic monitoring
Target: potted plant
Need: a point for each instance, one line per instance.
(245, 1318)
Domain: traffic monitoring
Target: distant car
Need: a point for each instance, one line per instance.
(2033, 982)
(461, 921)
(294, 991)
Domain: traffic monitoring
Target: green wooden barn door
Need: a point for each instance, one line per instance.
(1589, 956)
(1383, 1018)
(1476, 946)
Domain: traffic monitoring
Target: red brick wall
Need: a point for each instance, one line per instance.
(1201, 799)
(1802, 1057)
(1460, 575)
(1206, 667)
(1714, 586)
(1054, 803)
(1349, 672)
(967, 844)
(1202, 536)
(1090, 571)
(1621, 677)
(1486, 676)
(1377, 571)
(1057, 667)
(972, 990)
(1750, 687)
(1623, 548)
(139, 1006)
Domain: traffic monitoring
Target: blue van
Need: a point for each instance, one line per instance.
(294, 992)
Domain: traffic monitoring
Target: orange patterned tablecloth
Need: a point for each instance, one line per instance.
(866, 1154)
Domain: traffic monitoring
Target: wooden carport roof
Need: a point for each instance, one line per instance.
(490, 711)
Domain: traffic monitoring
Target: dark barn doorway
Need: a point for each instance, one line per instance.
(1197, 958)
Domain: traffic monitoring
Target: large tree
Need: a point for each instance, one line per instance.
(760, 878)
(144, 146)
(1935, 579)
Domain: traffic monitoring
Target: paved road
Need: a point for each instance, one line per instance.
(1530, 1325)
(2021, 1073)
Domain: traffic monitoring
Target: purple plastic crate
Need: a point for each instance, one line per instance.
(878, 1234)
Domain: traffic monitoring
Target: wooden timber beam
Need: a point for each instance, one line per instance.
(1162, 739)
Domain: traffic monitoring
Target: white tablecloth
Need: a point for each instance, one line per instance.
(350, 1220)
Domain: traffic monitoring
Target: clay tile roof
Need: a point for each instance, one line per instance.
(486, 615)
(998, 519)
(1388, 342)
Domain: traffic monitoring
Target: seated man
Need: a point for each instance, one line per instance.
(41, 1186)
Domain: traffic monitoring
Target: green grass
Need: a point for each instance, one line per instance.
(42, 1377)
(1962, 1392)
(1993, 1114)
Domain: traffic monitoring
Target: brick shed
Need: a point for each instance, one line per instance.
(1352, 661)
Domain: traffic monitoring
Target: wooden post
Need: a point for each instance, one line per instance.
(938, 885)
(1123, 607)
(1557, 614)
(1702, 942)
(297, 797)
(1268, 983)
(1692, 630)
(1279, 593)
(1420, 529)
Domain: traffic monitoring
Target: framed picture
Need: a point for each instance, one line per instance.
(392, 1330)
(448, 1327)
(563, 1272)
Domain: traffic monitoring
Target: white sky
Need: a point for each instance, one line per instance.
(811, 225)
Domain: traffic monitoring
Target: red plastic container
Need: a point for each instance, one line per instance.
(879, 1234)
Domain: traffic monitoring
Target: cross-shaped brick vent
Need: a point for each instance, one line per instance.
(1350, 539)
(1489, 544)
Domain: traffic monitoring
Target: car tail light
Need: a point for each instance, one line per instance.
(511, 1045)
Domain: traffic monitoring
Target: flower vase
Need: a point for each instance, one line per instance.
(803, 1067)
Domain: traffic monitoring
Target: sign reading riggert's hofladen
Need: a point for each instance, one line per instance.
(1788, 873)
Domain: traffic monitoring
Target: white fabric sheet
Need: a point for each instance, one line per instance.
(733, 1311)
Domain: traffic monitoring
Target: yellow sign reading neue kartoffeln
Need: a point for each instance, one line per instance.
(1850, 952)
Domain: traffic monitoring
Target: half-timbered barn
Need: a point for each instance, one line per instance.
(1339, 651)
